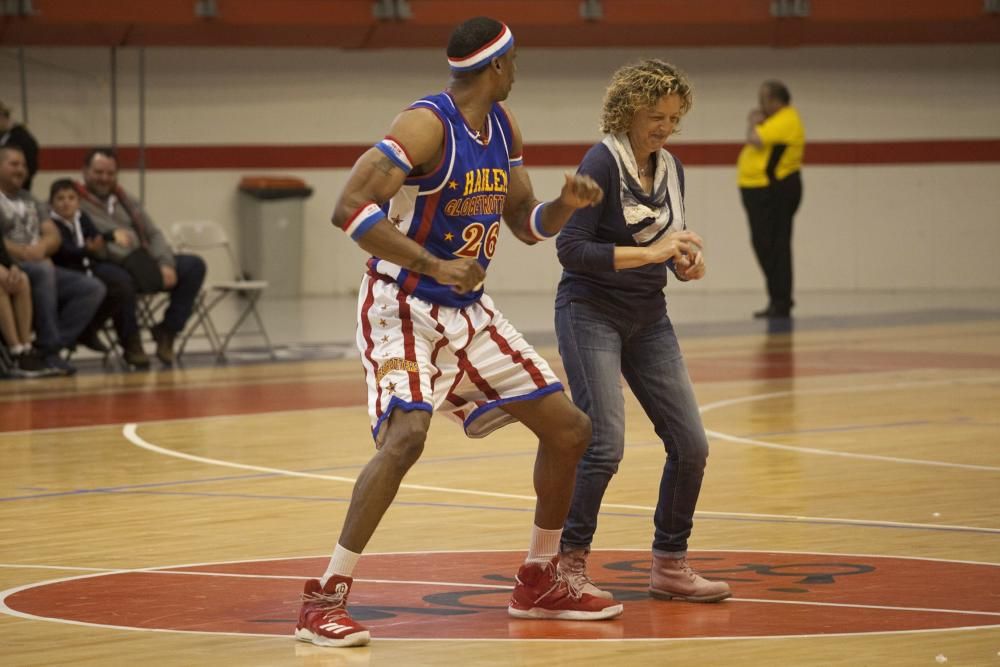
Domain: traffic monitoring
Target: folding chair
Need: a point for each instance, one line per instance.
(206, 237)
(109, 337)
(148, 306)
(6, 361)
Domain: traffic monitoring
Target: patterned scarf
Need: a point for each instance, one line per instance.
(656, 209)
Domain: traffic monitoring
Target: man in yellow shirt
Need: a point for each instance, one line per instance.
(771, 187)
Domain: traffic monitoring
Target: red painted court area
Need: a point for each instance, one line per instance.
(450, 595)
(149, 404)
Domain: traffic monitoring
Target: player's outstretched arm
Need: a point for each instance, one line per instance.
(532, 220)
(414, 143)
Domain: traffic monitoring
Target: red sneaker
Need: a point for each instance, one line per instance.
(542, 591)
(323, 619)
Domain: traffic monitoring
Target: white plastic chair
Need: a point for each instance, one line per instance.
(208, 238)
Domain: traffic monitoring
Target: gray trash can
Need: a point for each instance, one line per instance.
(272, 216)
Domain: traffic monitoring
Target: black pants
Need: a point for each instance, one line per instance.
(118, 304)
(770, 211)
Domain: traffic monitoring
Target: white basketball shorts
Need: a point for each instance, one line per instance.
(465, 362)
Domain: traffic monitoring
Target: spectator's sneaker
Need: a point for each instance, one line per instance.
(573, 565)
(164, 344)
(56, 365)
(542, 591)
(673, 578)
(323, 619)
(30, 364)
(134, 354)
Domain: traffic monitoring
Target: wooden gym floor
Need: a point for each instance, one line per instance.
(851, 499)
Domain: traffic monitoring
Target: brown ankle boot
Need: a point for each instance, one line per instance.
(573, 565)
(671, 578)
(134, 354)
(164, 344)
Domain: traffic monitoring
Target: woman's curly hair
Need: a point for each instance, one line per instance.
(639, 86)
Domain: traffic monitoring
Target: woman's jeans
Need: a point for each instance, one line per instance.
(597, 350)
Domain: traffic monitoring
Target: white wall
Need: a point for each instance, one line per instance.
(860, 227)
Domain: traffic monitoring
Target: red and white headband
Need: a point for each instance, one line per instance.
(500, 45)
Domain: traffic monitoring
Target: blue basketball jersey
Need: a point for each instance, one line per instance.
(455, 210)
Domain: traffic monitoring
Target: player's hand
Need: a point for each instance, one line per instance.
(15, 278)
(169, 276)
(756, 117)
(680, 246)
(691, 266)
(10, 278)
(464, 274)
(124, 238)
(580, 190)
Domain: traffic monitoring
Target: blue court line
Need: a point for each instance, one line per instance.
(139, 490)
(629, 515)
(836, 429)
(960, 421)
(234, 478)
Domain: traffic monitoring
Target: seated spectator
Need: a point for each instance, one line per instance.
(111, 209)
(16, 134)
(83, 249)
(15, 317)
(64, 301)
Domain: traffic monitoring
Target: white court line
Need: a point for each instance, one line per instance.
(174, 420)
(5, 609)
(101, 571)
(28, 566)
(425, 552)
(459, 584)
(844, 390)
(868, 606)
(847, 455)
(851, 390)
(130, 432)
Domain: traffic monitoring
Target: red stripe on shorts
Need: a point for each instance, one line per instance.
(451, 390)
(409, 348)
(526, 364)
(366, 331)
(473, 373)
(435, 310)
(477, 379)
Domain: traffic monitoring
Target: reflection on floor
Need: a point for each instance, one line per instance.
(324, 327)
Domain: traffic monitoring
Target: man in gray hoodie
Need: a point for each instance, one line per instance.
(111, 209)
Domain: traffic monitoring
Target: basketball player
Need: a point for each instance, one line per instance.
(432, 340)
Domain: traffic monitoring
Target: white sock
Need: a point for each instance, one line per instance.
(342, 564)
(18, 350)
(544, 544)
